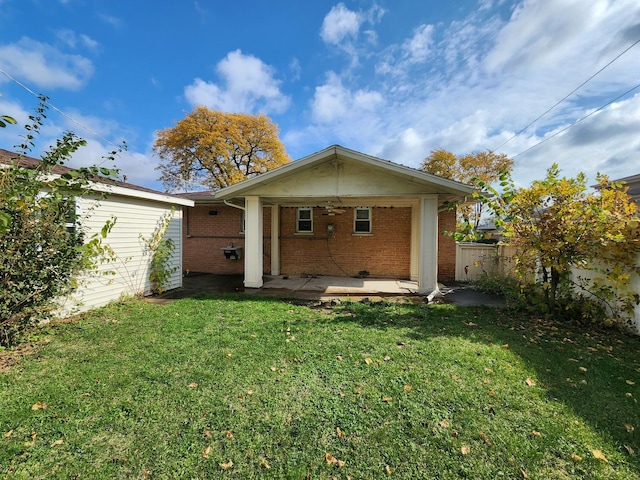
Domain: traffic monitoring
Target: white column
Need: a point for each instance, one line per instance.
(428, 277)
(253, 242)
(275, 240)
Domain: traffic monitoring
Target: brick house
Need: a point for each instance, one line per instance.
(336, 212)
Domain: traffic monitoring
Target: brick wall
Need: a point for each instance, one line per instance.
(384, 253)
(205, 233)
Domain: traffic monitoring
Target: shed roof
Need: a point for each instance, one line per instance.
(101, 184)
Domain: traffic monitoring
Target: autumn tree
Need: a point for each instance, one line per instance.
(558, 226)
(471, 168)
(215, 149)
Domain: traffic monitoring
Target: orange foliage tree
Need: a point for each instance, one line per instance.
(214, 149)
(471, 168)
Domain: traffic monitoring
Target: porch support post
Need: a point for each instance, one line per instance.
(275, 240)
(253, 243)
(428, 276)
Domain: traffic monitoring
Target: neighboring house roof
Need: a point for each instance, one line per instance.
(633, 183)
(337, 174)
(100, 184)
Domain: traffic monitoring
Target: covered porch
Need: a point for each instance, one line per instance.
(338, 181)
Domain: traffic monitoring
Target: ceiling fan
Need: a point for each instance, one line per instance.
(331, 210)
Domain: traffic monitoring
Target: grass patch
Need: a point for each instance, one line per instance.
(241, 387)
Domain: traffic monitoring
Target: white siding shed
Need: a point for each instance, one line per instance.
(137, 212)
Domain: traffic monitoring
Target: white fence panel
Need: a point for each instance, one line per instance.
(476, 259)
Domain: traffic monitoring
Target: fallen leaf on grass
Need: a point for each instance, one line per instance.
(387, 399)
(368, 361)
(39, 405)
(523, 473)
(207, 433)
(582, 369)
(339, 432)
(228, 355)
(444, 423)
(485, 439)
(331, 460)
(629, 427)
(193, 385)
(387, 358)
(629, 450)
(465, 450)
(250, 392)
(629, 382)
(530, 382)
(401, 345)
(576, 458)
(387, 470)
(273, 369)
(599, 455)
(506, 345)
(488, 370)
(206, 452)
(264, 464)
(57, 442)
(536, 434)
(229, 435)
(407, 388)
(339, 358)
(8, 434)
(226, 466)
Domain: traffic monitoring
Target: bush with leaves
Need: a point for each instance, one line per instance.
(161, 249)
(42, 245)
(558, 227)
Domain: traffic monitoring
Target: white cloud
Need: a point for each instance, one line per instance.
(334, 103)
(470, 85)
(75, 40)
(42, 65)
(248, 85)
(340, 23)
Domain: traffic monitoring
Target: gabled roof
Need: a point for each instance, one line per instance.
(101, 184)
(413, 181)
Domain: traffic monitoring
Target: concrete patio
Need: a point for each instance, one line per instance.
(326, 288)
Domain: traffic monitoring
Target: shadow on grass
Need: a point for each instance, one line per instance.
(592, 371)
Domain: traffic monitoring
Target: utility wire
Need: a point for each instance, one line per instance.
(568, 95)
(68, 117)
(577, 121)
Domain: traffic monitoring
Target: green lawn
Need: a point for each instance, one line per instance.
(245, 387)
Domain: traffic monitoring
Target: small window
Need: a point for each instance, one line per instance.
(362, 220)
(71, 215)
(304, 220)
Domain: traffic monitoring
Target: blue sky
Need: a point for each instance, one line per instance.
(391, 78)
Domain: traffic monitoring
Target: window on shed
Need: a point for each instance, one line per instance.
(71, 214)
(304, 220)
(362, 220)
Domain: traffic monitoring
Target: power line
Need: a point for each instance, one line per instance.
(577, 121)
(568, 95)
(68, 117)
